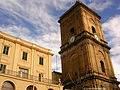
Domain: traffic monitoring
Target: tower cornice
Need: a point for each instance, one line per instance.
(78, 4)
(82, 36)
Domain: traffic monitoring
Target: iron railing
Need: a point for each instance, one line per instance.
(26, 76)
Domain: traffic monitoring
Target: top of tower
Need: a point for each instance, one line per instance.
(78, 4)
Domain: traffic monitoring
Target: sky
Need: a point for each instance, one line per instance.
(36, 21)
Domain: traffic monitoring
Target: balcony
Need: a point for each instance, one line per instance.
(30, 77)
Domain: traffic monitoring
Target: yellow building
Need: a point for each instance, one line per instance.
(24, 65)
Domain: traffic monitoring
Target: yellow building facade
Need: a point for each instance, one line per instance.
(24, 65)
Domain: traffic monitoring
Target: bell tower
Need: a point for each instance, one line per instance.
(85, 54)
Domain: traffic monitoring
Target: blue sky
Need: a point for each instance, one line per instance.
(36, 21)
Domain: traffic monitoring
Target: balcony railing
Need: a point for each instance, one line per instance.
(30, 77)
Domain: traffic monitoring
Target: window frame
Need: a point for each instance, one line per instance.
(41, 61)
(22, 72)
(102, 66)
(40, 76)
(93, 30)
(6, 50)
(2, 68)
(72, 31)
(24, 56)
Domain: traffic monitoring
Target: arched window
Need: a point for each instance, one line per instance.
(72, 31)
(94, 33)
(102, 66)
(31, 87)
(50, 89)
(7, 85)
(93, 30)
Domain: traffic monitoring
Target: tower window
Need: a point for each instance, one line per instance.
(102, 66)
(93, 30)
(72, 31)
(5, 50)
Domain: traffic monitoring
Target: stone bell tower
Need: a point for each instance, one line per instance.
(85, 55)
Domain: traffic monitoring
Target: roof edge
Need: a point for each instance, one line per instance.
(25, 43)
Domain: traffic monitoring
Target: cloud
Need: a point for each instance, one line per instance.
(112, 28)
(35, 18)
(36, 14)
(15, 30)
(117, 72)
(118, 7)
(112, 33)
(99, 5)
(36, 21)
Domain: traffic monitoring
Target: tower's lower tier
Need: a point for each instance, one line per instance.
(92, 81)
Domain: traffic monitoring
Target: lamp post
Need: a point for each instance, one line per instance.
(33, 67)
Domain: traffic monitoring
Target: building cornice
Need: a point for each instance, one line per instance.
(24, 43)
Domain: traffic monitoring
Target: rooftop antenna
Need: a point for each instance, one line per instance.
(74, 1)
(78, 0)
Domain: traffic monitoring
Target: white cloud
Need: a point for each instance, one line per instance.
(116, 66)
(17, 31)
(42, 15)
(62, 4)
(52, 37)
(39, 14)
(118, 7)
(35, 12)
(112, 28)
(99, 5)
